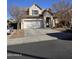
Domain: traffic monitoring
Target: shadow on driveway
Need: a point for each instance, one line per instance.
(62, 35)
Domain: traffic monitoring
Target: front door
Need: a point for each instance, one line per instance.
(48, 19)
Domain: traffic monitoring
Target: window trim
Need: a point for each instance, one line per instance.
(34, 12)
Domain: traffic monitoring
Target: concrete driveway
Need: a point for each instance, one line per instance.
(33, 35)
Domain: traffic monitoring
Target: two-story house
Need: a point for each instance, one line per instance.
(37, 18)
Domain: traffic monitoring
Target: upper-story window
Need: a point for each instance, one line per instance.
(34, 12)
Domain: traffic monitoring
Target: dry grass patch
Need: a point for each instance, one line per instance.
(18, 34)
(60, 29)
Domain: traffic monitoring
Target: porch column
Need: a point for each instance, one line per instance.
(22, 24)
(44, 22)
(52, 22)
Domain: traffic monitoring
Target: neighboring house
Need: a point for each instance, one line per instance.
(12, 23)
(37, 17)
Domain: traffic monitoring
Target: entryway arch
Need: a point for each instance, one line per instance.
(48, 18)
(48, 22)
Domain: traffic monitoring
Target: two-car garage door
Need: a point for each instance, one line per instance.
(32, 24)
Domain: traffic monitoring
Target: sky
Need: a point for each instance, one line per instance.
(27, 3)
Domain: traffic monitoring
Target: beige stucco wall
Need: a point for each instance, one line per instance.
(34, 7)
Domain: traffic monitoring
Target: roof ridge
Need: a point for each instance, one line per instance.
(37, 5)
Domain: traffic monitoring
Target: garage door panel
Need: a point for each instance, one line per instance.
(32, 24)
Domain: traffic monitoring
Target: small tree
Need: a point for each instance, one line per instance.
(17, 14)
(61, 11)
(61, 6)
